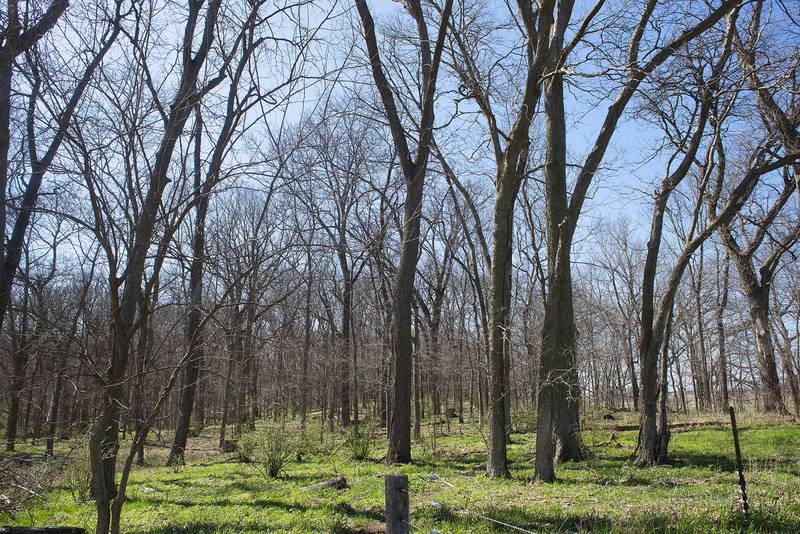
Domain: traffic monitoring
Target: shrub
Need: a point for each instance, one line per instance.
(270, 448)
(246, 447)
(176, 462)
(361, 444)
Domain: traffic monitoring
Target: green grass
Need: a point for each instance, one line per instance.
(216, 494)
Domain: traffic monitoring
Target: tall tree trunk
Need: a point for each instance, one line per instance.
(433, 337)
(414, 171)
(757, 295)
(234, 357)
(632, 370)
(193, 321)
(703, 391)
(558, 423)
(497, 458)
(722, 360)
(400, 430)
(356, 415)
(306, 346)
(143, 349)
(417, 398)
(346, 340)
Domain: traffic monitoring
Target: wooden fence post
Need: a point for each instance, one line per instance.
(739, 466)
(396, 498)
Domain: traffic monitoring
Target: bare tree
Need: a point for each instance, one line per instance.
(414, 168)
(46, 94)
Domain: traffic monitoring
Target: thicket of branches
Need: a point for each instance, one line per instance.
(224, 211)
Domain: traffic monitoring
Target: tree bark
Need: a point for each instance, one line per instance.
(16, 385)
(558, 423)
(193, 331)
(497, 461)
(756, 292)
(722, 360)
(52, 414)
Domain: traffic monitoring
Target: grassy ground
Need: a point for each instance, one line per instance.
(214, 493)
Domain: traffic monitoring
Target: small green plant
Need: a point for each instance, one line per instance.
(176, 462)
(361, 442)
(270, 448)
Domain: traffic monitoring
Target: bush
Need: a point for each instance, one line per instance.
(246, 447)
(270, 448)
(361, 444)
(176, 462)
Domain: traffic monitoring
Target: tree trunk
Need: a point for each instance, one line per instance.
(233, 357)
(721, 340)
(400, 430)
(632, 368)
(306, 349)
(433, 337)
(346, 340)
(558, 423)
(14, 393)
(497, 461)
(52, 414)
(143, 347)
(194, 332)
(414, 173)
(758, 300)
(417, 398)
(757, 295)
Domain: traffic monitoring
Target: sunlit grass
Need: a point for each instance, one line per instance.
(215, 493)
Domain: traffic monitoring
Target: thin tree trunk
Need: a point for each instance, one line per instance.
(52, 414)
(306, 347)
(721, 340)
(15, 389)
(193, 331)
(233, 357)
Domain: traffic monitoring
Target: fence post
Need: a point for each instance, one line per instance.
(739, 466)
(396, 497)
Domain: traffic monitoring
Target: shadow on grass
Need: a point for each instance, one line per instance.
(727, 463)
(471, 462)
(340, 510)
(451, 519)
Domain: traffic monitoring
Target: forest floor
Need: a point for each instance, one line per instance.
(216, 493)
